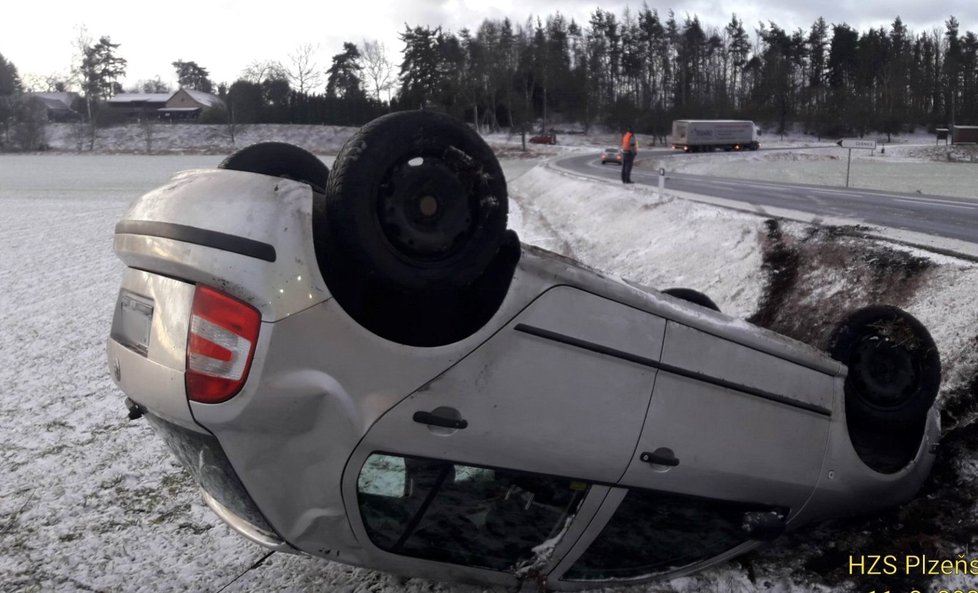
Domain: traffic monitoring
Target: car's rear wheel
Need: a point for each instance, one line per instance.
(693, 296)
(417, 200)
(279, 159)
(894, 366)
(411, 234)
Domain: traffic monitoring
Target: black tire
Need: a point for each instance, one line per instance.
(894, 367)
(279, 159)
(693, 296)
(417, 295)
(416, 200)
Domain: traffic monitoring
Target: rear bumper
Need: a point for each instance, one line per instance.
(202, 455)
(254, 533)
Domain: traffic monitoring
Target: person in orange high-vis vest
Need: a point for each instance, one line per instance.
(629, 148)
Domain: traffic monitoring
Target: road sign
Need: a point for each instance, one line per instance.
(853, 143)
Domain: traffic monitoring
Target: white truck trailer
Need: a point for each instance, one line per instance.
(700, 135)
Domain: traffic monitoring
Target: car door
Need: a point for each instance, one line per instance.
(527, 431)
(557, 390)
(727, 417)
(732, 446)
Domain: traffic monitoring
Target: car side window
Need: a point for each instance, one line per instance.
(654, 532)
(474, 516)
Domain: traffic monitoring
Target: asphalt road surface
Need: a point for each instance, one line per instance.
(954, 218)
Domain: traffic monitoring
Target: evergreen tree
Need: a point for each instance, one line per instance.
(101, 70)
(953, 55)
(9, 79)
(344, 74)
(10, 86)
(739, 54)
(193, 77)
(420, 66)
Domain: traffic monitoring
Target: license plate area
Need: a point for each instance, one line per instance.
(133, 321)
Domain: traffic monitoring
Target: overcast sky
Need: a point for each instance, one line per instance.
(224, 36)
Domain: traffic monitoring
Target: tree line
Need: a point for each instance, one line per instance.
(646, 69)
(642, 69)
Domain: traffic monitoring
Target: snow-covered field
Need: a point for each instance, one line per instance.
(912, 168)
(159, 138)
(90, 501)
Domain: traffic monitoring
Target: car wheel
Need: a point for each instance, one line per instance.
(411, 234)
(693, 296)
(418, 200)
(279, 159)
(894, 366)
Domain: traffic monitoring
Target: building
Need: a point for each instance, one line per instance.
(59, 106)
(186, 104)
(182, 105)
(138, 106)
(964, 134)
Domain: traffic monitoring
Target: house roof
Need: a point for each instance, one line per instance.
(141, 98)
(206, 99)
(55, 101)
(52, 104)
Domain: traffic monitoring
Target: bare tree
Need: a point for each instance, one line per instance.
(377, 68)
(226, 117)
(151, 85)
(261, 70)
(148, 126)
(303, 72)
(54, 82)
(83, 39)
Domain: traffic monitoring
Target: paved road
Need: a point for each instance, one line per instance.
(954, 218)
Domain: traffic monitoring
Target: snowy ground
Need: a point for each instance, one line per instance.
(920, 167)
(159, 138)
(910, 163)
(90, 501)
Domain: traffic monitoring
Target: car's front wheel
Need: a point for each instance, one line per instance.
(894, 366)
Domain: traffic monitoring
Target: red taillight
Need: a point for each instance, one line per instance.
(223, 333)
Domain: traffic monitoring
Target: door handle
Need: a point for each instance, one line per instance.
(432, 419)
(660, 457)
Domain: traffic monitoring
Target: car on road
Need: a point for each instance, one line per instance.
(366, 366)
(611, 155)
(550, 138)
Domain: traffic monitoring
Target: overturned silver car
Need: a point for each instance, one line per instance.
(364, 365)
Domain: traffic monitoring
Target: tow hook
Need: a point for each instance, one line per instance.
(135, 412)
